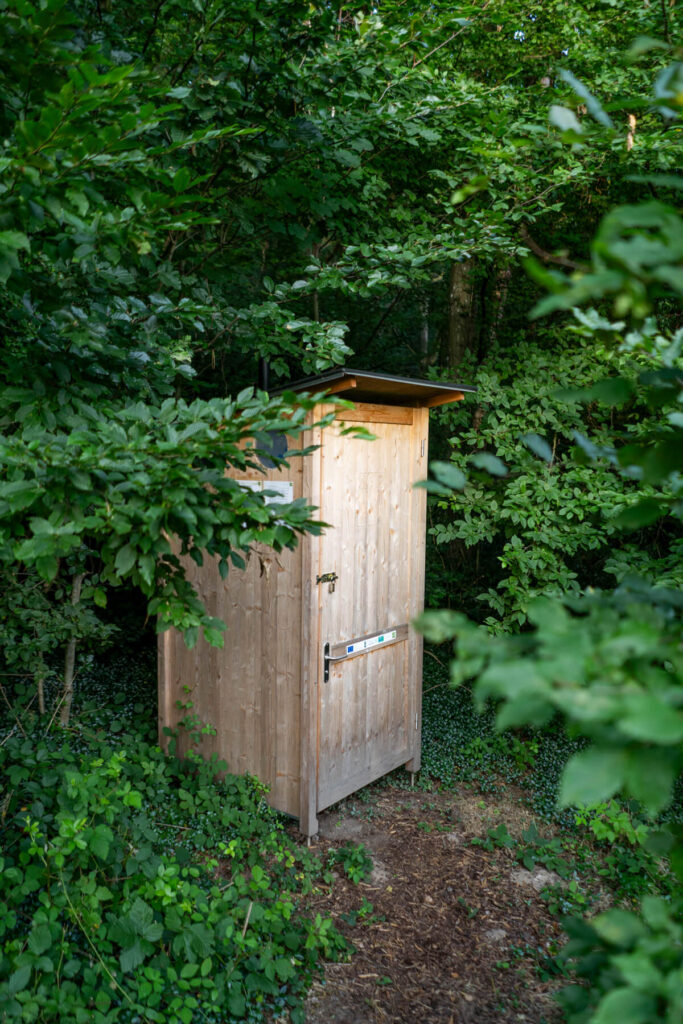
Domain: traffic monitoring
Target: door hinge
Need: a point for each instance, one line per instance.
(423, 444)
(416, 719)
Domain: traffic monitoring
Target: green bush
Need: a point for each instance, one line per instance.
(633, 963)
(111, 908)
(531, 519)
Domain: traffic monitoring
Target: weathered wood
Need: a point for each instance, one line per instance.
(369, 413)
(455, 396)
(363, 707)
(314, 742)
(311, 648)
(251, 691)
(342, 385)
(339, 650)
(418, 528)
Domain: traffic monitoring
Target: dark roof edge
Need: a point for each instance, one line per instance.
(318, 381)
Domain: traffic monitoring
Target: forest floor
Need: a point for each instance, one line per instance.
(445, 931)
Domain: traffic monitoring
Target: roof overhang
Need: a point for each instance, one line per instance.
(382, 388)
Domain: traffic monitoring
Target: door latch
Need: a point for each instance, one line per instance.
(327, 577)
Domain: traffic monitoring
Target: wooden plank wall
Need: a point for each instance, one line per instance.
(263, 691)
(418, 543)
(251, 690)
(367, 710)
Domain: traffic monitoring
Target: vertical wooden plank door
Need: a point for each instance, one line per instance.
(366, 724)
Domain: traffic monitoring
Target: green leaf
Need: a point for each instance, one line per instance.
(214, 637)
(538, 446)
(181, 179)
(591, 102)
(101, 840)
(650, 719)
(141, 917)
(236, 1004)
(102, 1001)
(284, 968)
(18, 980)
(448, 475)
(644, 512)
(638, 969)
(610, 391)
(132, 957)
(40, 939)
(490, 463)
(619, 927)
(125, 559)
(649, 777)
(564, 119)
(592, 776)
(644, 44)
(13, 240)
(625, 1006)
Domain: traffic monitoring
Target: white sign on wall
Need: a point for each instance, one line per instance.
(281, 492)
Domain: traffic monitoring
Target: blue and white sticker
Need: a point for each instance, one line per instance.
(370, 642)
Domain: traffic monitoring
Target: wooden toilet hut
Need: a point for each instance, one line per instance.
(318, 688)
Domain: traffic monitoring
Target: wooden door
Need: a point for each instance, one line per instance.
(366, 706)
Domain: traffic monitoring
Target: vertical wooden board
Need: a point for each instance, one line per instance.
(266, 613)
(368, 695)
(165, 685)
(250, 692)
(393, 597)
(282, 662)
(311, 647)
(353, 685)
(331, 739)
(288, 725)
(417, 586)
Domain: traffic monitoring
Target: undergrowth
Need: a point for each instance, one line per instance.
(460, 744)
(138, 888)
(605, 848)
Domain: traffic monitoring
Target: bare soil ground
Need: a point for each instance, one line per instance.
(455, 933)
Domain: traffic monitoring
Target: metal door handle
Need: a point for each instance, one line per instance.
(327, 658)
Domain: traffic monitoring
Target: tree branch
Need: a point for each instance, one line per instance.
(547, 257)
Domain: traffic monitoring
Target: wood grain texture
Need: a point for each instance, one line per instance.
(250, 692)
(311, 647)
(436, 400)
(364, 728)
(368, 412)
(342, 385)
(418, 520)
(339, 650)
(314, 742)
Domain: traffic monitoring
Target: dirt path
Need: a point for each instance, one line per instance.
(445, 932)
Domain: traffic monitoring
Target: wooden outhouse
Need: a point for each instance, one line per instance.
(318, 688)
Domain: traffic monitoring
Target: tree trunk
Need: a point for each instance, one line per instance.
(424, 331)
(500, 295)
(40, 683)
(460, 311)
(70, 656)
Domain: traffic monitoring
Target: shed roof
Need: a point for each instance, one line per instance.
(384, 388)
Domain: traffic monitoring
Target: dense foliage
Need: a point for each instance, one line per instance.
(189, 188)
(134, 886)
(610, 662)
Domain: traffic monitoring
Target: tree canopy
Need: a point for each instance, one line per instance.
(188, 188)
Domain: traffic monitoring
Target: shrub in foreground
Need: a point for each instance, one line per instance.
(110, 912)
